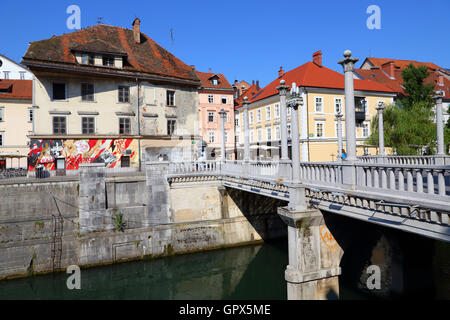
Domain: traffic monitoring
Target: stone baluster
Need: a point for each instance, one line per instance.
(409, 180)
(401, 180)
(430, 181)
(419, 180)
(441, 182)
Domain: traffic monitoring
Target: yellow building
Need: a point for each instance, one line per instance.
(323, 96)
(16, 122)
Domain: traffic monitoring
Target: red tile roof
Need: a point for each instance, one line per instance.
(312, 75)
(146, 58)
(16, 89)
(378, 62)
(395, 83)
(205, 79)
(251, 92)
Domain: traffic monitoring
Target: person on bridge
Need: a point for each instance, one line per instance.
(344, 155)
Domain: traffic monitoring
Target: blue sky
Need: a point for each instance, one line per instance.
(249, 39)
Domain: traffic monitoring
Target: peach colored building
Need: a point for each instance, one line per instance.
(214, 95)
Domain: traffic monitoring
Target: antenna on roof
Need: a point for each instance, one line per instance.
(172, 38)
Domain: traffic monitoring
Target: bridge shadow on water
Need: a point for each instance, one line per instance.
(411, 266)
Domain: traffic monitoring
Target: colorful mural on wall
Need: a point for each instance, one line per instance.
(76, 152)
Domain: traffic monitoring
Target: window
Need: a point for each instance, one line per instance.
(59, 125)
(171, 127)
(22, 75)
(170, 98)
(288, 126)
(251, 117)
(108, 61)
(125, 161)
(319, 104)
(226, 117)
(236, 120)
(336, 128)
(124, 126)
(365, 129)
(91, 60)
(269, 133)
(258, 115)
(210, 116)
(30, 115)
(277, 110)
(319, 129)
(288, 111)
(6, 75)
(277, 133)
(124, 94)
(87, 92)
(338, 105)
(1, 139)
(224, 100)
(259, 134)
(210, 98)
(211, 137)
(59, 91)
(268, 113)
(236, 138)
(88, 125)
(2, 114)
(215, 82)
(88, 59)
(226, 136)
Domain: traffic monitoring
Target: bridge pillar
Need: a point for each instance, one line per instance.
(282, 89)
(350, 127)
(245, 104)
(314, 256)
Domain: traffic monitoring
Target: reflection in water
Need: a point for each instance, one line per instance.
(250, 272)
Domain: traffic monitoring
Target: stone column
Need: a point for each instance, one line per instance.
(350, 129)
(339, 136)
(282, 89)
(380, 109)
(439, 123)
(314, 256)
(222, 115)
(92, 198)
(245, 104)
(295, 139)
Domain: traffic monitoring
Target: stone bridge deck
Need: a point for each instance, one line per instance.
(414, 196)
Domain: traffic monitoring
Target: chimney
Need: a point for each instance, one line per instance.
(137, 30)
(210, 71)
(440, 79)
(389, 68)
(235, 82)
(257, 84)
(280, 72)
(317, 58)
(193, 67)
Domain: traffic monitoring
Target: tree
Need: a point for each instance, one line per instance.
(408, 125)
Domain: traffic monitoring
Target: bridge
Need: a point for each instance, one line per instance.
(409, 193)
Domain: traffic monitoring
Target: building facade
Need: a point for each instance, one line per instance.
(110, 95)
(215, 95)
(16, 122)
(10, 70)
(323, 96)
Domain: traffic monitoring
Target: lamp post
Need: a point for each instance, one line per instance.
(283, 89)
(380, 109)
(439, 122)
(295, 100)
(350, 133)
(222, 115)
(339, 134)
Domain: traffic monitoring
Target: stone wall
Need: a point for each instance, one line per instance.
(158, 219)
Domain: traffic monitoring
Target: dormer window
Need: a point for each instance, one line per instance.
(215, 82)
(108, 61)
(88, 59)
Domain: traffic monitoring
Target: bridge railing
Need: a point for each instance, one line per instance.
(197, 167)
(423, 180)
(321, 173)
(408, 160)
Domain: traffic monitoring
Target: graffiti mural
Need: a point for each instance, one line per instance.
(76, 152)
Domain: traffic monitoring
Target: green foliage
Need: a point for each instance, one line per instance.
(408, 125)
(118, 223)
